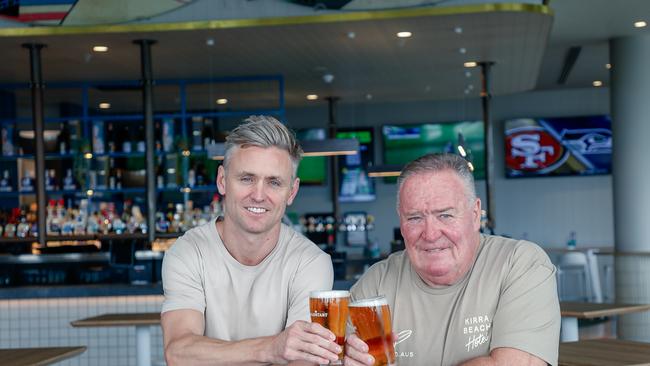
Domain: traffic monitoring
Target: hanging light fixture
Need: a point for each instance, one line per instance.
(330, 147)
(327, 147)
(383, 171)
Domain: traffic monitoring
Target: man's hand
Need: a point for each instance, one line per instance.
(305, 341)
(356, 352)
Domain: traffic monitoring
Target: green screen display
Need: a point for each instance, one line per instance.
(404, 143)
(312, 169)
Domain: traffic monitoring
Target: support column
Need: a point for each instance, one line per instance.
(334, 160)
(488, 143)
(37, 87)
(147, 105)
(630, 107)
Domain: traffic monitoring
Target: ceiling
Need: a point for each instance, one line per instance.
(368, 62)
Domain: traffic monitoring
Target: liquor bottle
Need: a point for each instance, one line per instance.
(92, 226)
(141, 146)
(7, 140)
(67, 225)
(69, 183)
(49, 217)
(80, 220)
(191, 178)
(200, 175)
(110, 137)
(168, 135)
(98, 137)
(126, 144)
(5, 182)
(50, 180)
(10, 228)
(63, 140)
(208, 133)
(22, 229)
(27, 183)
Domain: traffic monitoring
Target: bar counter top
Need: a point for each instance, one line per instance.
(58, 291)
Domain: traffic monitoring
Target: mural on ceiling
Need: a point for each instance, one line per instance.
(364, 4)
(84, 12)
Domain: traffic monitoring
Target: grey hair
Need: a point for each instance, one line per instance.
(263, 131)
(437, 162)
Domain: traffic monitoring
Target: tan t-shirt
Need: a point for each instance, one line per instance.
(240, 301)
(508, 299)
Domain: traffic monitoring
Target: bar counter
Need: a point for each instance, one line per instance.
(65, 291)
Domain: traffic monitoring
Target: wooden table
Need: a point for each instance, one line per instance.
(572, 311)
(37, 356)
(604, 352)
(142, 323)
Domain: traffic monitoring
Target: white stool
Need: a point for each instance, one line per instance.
(578, 277)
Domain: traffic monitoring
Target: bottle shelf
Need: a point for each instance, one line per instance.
(14, 157)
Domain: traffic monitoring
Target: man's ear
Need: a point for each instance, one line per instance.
(294, 191)
(476, 212)
(221, 180)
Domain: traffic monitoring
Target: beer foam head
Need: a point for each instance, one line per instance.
(373, 301)
(327, 294)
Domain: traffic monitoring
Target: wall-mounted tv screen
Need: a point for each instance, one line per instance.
(353, 169)
(404, 143)
(558, 146)
(312, 169)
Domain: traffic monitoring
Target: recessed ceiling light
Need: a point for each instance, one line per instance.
(100, 48)
(640, 24)
(608, 66)
(104, 105)
(352, 35)
(458, 30)
(209, 42)
(470, 64)
(312, 97)
(404, 34)
(222, 101)
(468, 74)
(462, 50)
(597, 83)
(368, 96)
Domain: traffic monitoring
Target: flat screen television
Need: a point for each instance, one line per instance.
(558, 146)
(312, 169)
(404, 143)
(355, 186)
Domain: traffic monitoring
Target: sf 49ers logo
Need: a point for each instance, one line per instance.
(533, 149)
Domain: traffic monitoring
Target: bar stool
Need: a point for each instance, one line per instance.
(578, 270)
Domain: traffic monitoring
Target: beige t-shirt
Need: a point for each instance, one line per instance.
(240, 301)
(508, 299)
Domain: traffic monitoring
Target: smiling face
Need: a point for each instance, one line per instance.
(440, 226)
(257, 188)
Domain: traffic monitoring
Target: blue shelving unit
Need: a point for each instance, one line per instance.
(87, 117)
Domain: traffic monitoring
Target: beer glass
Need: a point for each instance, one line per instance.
(330, 309)
(371, 319)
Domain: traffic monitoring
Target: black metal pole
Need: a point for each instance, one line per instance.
(39, 126)
(147, 104)
(334, 160)
(488, 144)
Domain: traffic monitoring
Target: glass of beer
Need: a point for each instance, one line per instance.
(371, 319)
(330, 309)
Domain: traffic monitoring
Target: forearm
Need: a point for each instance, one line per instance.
(480, 361)
(195, 350)
(506, 357)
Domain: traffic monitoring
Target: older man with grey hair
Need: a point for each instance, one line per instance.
(237, 289)
(458, 297)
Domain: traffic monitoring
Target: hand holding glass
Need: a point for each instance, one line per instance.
(372, 321)
(330, 309)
